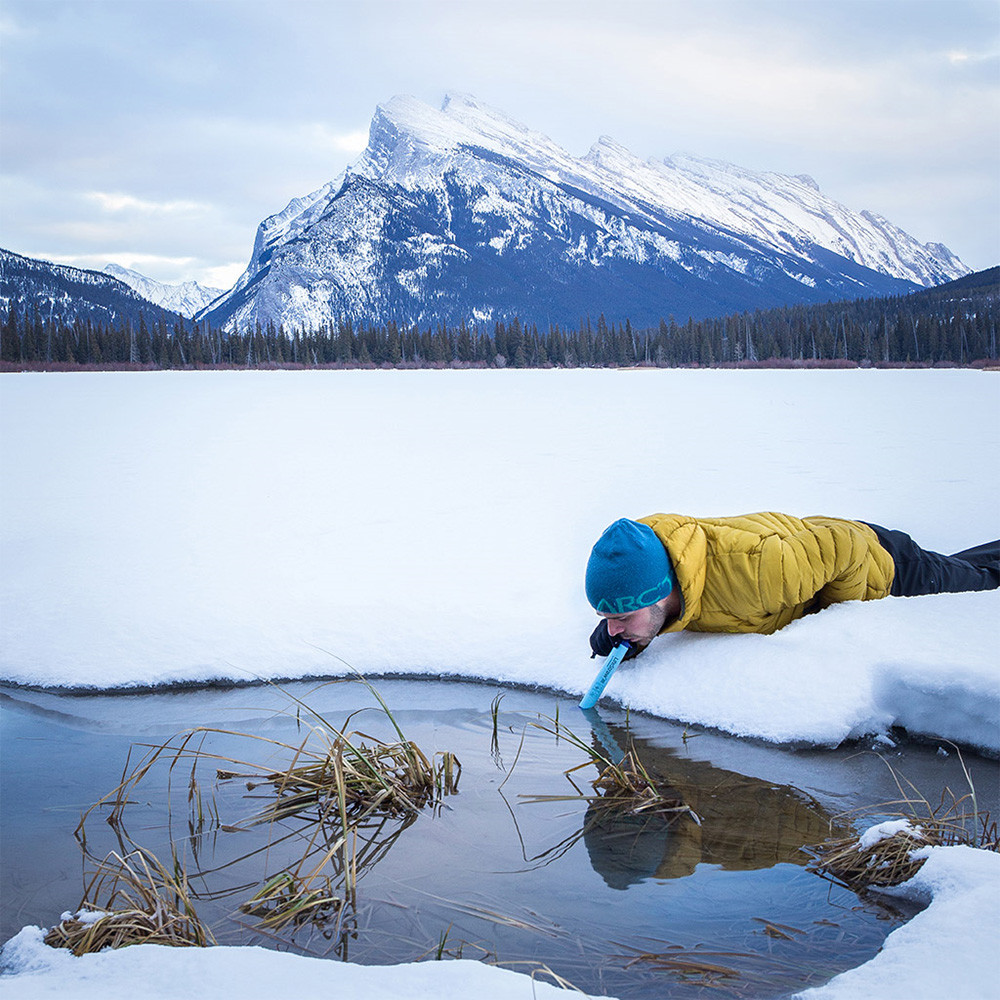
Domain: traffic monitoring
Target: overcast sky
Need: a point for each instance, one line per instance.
(157, 134)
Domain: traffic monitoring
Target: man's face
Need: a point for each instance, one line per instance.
(639, 627)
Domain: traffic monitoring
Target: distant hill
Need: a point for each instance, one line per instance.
(57, 293)
(984, 283)
(955, 323)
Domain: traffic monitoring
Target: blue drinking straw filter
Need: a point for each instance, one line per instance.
(615, 657)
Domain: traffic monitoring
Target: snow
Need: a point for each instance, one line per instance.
(780, 211)
(171, 527)
(947, 950)
(884, 831)
(250, 973)
(84, 917)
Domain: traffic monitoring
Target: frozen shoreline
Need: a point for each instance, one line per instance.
(926, 665)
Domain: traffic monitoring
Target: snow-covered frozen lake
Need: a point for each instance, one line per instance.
(164, 528)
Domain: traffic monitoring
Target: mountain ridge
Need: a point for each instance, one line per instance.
(186, 298)
(464, 213)
(952, 323)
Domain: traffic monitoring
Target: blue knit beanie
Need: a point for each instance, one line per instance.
(628, 569)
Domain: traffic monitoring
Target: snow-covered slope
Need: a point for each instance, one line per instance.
(187, 299)
(463, 213)
(56, 291)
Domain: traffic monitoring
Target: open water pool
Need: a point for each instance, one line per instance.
(519, 866)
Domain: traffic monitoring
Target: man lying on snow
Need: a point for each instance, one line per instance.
(756, 573)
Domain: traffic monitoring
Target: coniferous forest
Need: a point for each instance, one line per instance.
(953, 324)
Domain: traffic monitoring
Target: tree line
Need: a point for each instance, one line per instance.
(923, 328)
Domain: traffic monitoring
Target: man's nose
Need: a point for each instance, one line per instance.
(615, 627)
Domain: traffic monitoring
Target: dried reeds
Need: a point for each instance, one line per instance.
(287, 899)
(388, 778)
(340, 789)
(882, 861)
(627, 787)
(690, 964)
(131, 899)
(890, 853)
(377, 777)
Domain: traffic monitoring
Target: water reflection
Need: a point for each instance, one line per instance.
(743, 824)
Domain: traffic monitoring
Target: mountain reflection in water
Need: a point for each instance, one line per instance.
(745, 823)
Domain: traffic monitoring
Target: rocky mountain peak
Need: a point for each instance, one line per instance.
(461, 211)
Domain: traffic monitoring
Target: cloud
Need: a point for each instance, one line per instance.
(118, 202)
(169, 270)
(961, 57)
(340, 142)
(222, 276)
(162, 239)
(136, 261)
(12, 29)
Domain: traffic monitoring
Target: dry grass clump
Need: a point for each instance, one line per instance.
(627, 787)
(384, 778)
(911, 823)
(889, 861)
(346, 791)
(131, 900)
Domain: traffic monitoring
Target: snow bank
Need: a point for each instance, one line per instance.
(173, 527)
(928, 664)
(35, 972)
(949, 949)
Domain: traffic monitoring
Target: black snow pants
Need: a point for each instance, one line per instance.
(919, 571)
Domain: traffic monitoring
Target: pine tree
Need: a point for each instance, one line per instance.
(10, 338)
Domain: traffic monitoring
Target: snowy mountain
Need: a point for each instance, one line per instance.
(187, 299)
(57, 291)
(463, 213)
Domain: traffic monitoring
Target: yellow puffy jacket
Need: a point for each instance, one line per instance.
(758, 572)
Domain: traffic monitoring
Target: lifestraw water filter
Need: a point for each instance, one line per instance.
(615, 657)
